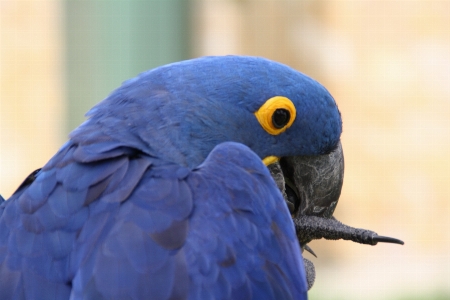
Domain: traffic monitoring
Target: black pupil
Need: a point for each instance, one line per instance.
(280, 118)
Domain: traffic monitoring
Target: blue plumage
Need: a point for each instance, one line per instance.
(155, 196)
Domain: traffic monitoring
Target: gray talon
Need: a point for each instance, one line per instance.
(386, 239)
(307, 248)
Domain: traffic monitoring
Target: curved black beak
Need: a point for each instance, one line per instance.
(311, 186)
(316, 181)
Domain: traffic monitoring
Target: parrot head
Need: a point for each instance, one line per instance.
(180, 112)
(190, 107)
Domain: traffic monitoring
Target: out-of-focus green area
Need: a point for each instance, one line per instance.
(108, 42)
(387, 63)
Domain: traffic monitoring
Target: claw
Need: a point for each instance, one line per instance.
(307, 248)
(310, 228)
(386, 239)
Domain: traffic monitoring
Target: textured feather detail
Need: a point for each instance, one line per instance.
(34, 196)
(129, 228)
(260, 257)
(79, 176)
(53, 224)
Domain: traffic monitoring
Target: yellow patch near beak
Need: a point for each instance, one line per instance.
(270, 160)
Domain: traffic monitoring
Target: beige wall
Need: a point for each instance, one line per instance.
(387, 63)
(31, 98)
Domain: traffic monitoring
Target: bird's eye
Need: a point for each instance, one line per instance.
(280, 117)
(276, 115)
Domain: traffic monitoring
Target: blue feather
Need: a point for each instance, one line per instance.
(63, 203)
(34, 197)
(59, 243)
(25, 243)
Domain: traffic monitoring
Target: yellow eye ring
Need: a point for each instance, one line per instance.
(276, 115)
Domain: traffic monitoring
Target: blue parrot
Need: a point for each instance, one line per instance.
(164, 191)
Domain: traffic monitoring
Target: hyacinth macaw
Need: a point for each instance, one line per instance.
(163, 192)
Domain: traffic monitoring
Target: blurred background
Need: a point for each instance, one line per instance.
(387, 63)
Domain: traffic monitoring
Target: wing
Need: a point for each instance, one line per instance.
(104, 221)
(241, 242)
(98, 221)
